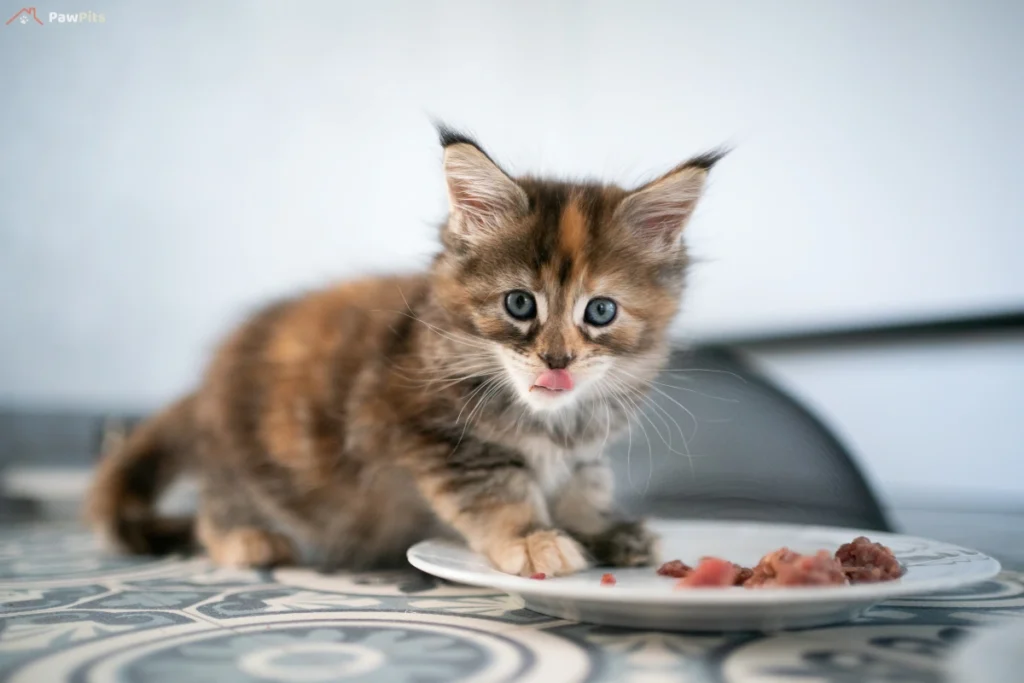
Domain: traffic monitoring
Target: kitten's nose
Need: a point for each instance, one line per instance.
(556, 361)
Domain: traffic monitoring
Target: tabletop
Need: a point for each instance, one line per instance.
(70, 612)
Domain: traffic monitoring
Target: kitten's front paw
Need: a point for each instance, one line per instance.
(552, 553)
(626, 544)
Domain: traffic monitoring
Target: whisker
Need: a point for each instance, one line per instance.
(629, 446)
(637, 394)
(683, 371)
(679, 388)
(490, 394)
(660, 410)
(608, 423)
(647, 438)
(666, 395)
(648, 401)
(469, 398)
(466, 426)
(686, 444)
(519, 420)
(467, 340)
(449, 382)
(691, 390)
(452, 369)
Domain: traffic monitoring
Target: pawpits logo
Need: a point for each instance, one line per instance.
(27, 16)
(24, 16)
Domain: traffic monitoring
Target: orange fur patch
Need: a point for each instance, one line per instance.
(572, 229)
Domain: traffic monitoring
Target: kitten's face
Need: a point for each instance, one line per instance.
(569, 288)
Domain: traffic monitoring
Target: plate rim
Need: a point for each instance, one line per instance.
(870, 592)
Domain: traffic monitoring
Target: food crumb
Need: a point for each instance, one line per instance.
(607, 579)
(677, 569)
(539, 576)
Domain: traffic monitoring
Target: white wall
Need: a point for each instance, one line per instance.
(165, 170)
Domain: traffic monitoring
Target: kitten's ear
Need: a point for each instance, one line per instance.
(658, 211)
(481, 196)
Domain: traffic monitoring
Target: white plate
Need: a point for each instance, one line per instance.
(642, 599)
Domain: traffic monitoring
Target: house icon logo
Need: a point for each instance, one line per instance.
(24, 16)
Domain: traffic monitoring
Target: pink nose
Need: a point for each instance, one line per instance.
(554, 380)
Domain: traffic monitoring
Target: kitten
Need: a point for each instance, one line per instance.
(474, 399)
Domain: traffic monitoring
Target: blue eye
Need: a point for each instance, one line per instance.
(521, 305)
(599, 312)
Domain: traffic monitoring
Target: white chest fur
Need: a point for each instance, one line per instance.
(552, 465)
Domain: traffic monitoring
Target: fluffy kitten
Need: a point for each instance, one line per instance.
(341, 427)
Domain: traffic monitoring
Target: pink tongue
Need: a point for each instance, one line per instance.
(555, 380)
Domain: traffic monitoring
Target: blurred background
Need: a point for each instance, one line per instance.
(169, 168)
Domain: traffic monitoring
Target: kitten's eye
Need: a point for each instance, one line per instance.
(599, 312)
(521, 305)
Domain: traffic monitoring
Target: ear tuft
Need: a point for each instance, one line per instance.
(449, 136)
(705, 161)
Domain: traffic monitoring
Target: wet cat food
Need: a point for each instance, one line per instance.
(860, 561)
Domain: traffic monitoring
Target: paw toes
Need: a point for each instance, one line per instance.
(572, 554)
(544, 553)
(511, 558)
(554, 553)
(547, 552)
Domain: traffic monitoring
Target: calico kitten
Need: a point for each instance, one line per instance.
(474, 399)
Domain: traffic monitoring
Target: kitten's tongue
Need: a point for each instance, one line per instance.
(554, 380)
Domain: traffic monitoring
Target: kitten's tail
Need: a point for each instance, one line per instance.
(130, 479)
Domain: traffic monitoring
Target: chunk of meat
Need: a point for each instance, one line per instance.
(608, 579)
(765, 570)
(743, 574)
(864, 561)
(710, 572)
(677, 569)
(787, 568)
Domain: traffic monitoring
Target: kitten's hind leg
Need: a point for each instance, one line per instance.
(244, 546)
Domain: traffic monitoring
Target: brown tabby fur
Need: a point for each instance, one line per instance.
(342, 426)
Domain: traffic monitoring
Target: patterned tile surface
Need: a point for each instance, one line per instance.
(71, 613)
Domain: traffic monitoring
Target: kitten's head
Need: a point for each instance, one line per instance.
(567, 290)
